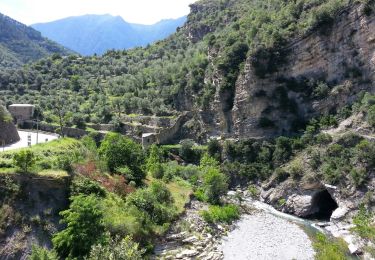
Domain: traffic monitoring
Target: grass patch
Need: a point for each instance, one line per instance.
(327, 249)
(57, 174)
(180, 190)
(223, 214)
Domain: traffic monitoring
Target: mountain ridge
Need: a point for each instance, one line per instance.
(95, 34)
(20, 44)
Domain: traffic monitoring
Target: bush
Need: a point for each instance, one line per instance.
(40, 253)
(84, 228)
(155, 203)
(24, 160)
(154, 161)
(84, 186)
(225, 214)
(323, 139)
(117, 249)
(214, 149)
(119, 151)
(281, 175)
(186, 151)
(371, 116)
(215, 185)
(64, 162)
(200, 195)
(327, 249)
(253, 190)
(364, 224)
(359, 176)
(283, 150)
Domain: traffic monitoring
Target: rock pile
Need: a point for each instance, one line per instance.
(191, 237)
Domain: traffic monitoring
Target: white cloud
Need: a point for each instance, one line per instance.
(135, 11)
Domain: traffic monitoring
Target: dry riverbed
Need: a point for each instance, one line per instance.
(258, 235)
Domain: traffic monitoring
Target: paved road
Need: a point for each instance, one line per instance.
(42, 138)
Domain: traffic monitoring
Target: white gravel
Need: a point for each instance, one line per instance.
(42, 138)
(263, 236)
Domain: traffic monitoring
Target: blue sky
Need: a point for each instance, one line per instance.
(135, 11)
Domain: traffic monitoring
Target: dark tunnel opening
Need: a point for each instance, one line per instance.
(324, 205)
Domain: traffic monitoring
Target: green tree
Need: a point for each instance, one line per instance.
(124, 249)
(154, 161)
(84, 228)
(215, 185)
(25, 159)
(119, 152)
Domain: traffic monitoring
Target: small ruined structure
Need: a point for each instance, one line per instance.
(22, 112)
(148, 139)
(8, 131)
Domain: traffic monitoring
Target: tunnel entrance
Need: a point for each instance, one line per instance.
(324, 205)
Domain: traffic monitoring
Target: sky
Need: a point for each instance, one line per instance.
(134, 11)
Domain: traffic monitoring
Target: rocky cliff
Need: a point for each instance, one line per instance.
(281, 88)
(8, 131)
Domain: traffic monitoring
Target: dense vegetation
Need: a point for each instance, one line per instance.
(20, 44)
(161, 78)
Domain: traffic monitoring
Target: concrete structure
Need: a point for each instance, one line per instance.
(8, 131)
(21, 112)
(148, 139)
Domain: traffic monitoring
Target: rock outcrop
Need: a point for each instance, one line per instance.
(8, 131)
(273, 101)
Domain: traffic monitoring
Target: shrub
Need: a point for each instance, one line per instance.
(155, 202)
(84, 186)
(117, 249)
(84, 228)
(371, 116)
(154, 161)
(40, 253)
(119, 151)
(364, 224)
(25, 159)
(186, 151)
(215, 185)
(359, 176)
(200, 195)
(323, 139)
(225, 214)
(253, 190)
(283, 149)
(281, 175)
(328, 249)
(64, 162)
(321, 90)
(214, 148)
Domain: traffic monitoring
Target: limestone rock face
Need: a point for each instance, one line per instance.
(342, 56)
(332, 56)
(8, 131)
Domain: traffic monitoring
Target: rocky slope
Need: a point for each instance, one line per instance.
(20, 44)
(312, 195)
(279, 86)
(8, 131)
(29, 212)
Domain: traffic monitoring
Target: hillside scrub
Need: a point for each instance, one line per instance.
(151, 80)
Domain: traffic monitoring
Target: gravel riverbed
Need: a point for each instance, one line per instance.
(263, 236)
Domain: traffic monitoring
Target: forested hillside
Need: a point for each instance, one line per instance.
(95, 34)
(20, 44)
(228, 55)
